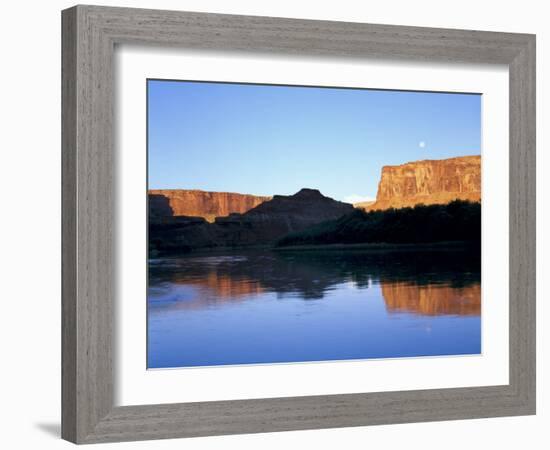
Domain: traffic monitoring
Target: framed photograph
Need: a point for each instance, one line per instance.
(277, 224)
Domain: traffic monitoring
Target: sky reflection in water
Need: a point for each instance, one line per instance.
(268, 307)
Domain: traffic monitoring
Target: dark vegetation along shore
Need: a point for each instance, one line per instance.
(455, 221)
(308, 218)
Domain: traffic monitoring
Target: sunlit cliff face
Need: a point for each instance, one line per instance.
(196, 203)
(429, 182)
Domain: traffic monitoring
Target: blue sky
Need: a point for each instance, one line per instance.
(266, 140)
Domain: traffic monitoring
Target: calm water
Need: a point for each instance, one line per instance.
(265, 307)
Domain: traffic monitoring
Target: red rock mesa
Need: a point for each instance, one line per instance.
(429, 182)
(196, 203)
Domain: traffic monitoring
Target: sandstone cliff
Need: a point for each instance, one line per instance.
(261, 225)
(429, 182)
(364, 205)
(196, 203)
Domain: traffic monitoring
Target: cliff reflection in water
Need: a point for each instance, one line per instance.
(432, 300)
(429, 283)
(312, 305)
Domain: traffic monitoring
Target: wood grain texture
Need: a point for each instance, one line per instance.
(522, 187)
(89, 36)
(68, 226)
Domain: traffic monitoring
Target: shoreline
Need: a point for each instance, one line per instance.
(371, 246)
(380, 246)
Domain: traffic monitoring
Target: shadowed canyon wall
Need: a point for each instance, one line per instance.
(196, 203)
(429, 182)
(261, 225)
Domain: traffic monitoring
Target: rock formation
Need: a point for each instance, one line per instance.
(196, 203)
(429, 182)
(261, 225)
(364, 205)
(282, 215)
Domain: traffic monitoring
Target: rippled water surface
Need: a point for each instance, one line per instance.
(267, 307)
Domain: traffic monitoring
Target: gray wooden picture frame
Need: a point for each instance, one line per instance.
(90, 34)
